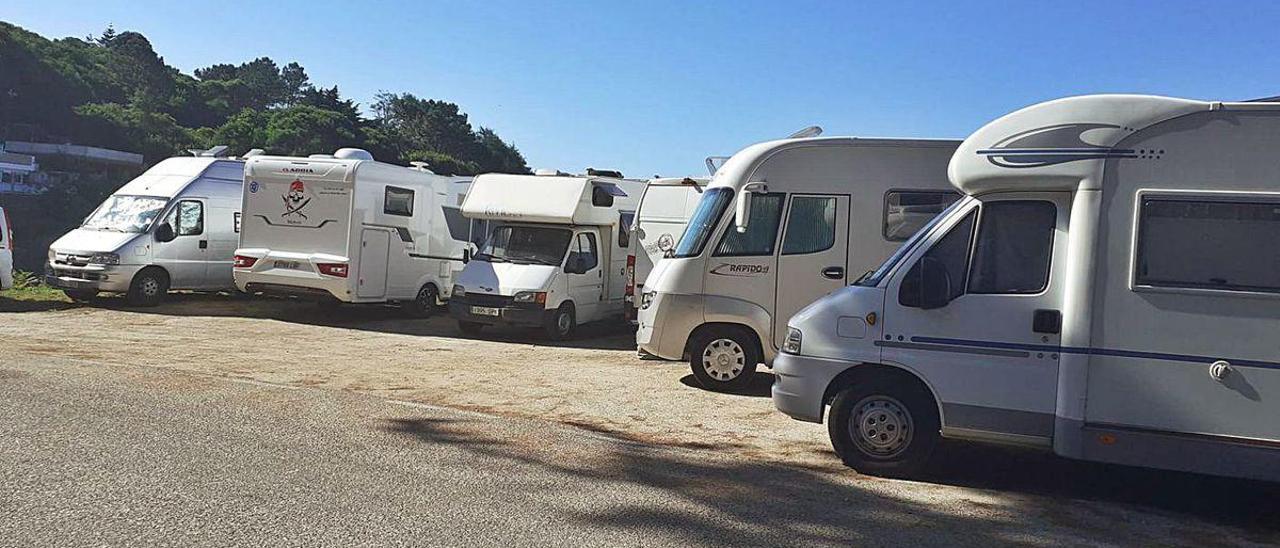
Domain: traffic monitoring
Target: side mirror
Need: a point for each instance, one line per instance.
(164, 232)
(466, 255)
(742, 214)
(926, 286)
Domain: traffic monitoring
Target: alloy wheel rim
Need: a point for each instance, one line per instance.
(881, 427)
(724, 359)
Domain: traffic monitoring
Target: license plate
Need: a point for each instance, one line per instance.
(291, 265)
(485, 311)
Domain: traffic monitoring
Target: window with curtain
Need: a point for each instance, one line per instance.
(1229, 245)
(398, 201)
(1014, 247)
(190, 218)
(811, 225)
(952, 252)
(762, 229)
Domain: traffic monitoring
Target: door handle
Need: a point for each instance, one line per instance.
(1047, 321)
(833, 272)
(204, 244)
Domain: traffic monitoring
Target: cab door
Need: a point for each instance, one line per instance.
(584, 276)
(979, 314)
(814, 255)
(185, 257)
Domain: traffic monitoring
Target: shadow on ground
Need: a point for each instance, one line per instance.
(759, 386)
(1034, 497)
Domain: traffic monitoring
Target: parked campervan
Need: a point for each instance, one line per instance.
(6, 251)
(1106, 288)
(660, 218)
(173, 227)
(344, 228)
(780, 224)
(556, 252)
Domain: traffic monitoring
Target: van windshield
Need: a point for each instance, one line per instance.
(526, 245)
(703, 222)
(874, 277)
(125, 213)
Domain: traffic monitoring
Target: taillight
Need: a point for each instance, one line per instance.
(631, 275)
(242, 261)
(338, 270)
(8, 230)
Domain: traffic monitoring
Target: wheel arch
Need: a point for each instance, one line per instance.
(860, 372)
(157, 268)
(712, 326)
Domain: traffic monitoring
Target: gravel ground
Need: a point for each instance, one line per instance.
(596, 384)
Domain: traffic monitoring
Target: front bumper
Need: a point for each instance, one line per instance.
(800, 384)
(509, 313)
(111, 278)
(665, 325)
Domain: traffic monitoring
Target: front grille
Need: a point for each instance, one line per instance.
(77, 274)
(71, 259)
(483, 299)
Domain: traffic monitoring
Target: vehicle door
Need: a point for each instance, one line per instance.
(978, 313)
(814, 256)
(584, 275)
(375, 248)
(185, 257)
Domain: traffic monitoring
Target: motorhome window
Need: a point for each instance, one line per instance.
(121, 213)
(583, 253)
(398, 201)
(703, 222)
(873, 278)
(1222, 244)
(459, 226)
(907, 211)
(600, 197)
(811, 225)
(625, 218)
(479, 231)
(189, 218)
(952, 252)
(526, 245)
(762, 230)
(1014, 247)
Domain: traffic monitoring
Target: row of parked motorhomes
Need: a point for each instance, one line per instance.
(1096, 275)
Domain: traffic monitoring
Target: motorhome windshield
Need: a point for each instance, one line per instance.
(703, 222)
(526, 245)
(125, 213)
(873, 278)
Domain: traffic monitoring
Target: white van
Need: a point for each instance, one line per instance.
(6, 251)
(556, 253)
(660, 218)
(1108, 288)
(173, 227)
(346, 228)
(808, 216)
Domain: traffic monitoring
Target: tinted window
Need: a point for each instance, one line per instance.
(398, 201)
(1014, 246)
(952, 252)
(703, 221)
(459, 226)
(189, 218)
(479, 230)
(811, 225)
(906, 212)
(625, 218)
(584, 249)
(762, 229)
(1209, 244)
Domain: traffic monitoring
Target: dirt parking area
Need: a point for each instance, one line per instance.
(597, 383)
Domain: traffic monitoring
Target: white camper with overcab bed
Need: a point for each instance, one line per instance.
(345, 228)
(1108, 288)
(556, 253)
(173, 227)
(780, 224)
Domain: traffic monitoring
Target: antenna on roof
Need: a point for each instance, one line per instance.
(714, 163)
(811, 131)
(422, 166)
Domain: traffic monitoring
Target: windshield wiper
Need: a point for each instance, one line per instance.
(488, 258)
(531, 260)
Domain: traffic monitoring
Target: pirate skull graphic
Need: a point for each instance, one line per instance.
(295, 200)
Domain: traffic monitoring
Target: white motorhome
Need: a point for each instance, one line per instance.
(173, 227)
(556, 252)
(660, 218)
(780, 224)
(6, 251)
(1107, 288)
(346, 228)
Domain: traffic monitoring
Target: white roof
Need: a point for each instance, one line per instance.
(543, 199)
(169, 177)
(740, 166)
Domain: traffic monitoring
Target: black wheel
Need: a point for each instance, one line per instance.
(561, 323)
(470, 328)
(884, 426)
(723, 359)
(81, 295)
(424, 305)
(148, 287)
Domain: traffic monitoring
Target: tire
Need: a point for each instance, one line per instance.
(470, 329)
(148, 288)
(560, 324)
(81, 295)
(423, 305)
(724, 359)
(884, 426)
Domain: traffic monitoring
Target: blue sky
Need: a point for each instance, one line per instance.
(654, 87)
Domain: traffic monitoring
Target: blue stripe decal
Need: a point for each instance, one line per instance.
(1095, 351)
(1057, 151)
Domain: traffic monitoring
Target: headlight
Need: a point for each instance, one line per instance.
(458, 290)
(792, 344)
(104, 258)
(539, 297)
